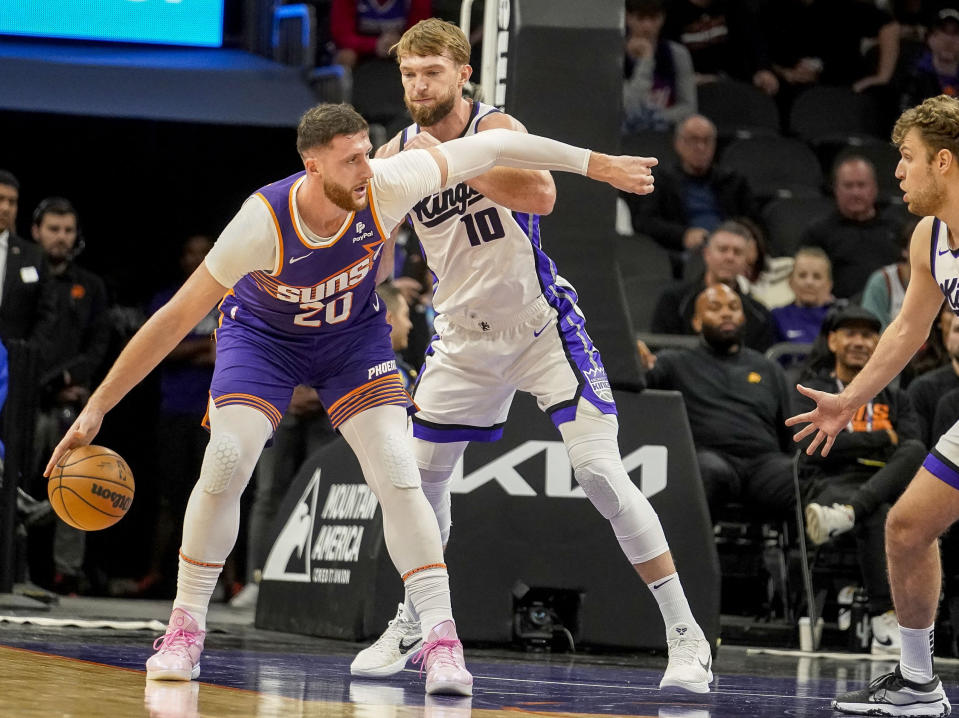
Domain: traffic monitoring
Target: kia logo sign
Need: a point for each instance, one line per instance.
(559, 481)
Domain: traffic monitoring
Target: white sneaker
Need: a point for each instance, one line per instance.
(893, 695)
(388, 655)
(826, 522)
(885, 634)
(246, 597)
(690, 660)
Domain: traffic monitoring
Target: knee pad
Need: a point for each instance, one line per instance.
(598, 479)
(220, 463)
(399, 462)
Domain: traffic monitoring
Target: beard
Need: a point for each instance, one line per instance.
(429, 116)
(927, 201)
(722, 341)
(342, 196)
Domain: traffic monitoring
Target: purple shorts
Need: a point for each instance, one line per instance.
(259, 367)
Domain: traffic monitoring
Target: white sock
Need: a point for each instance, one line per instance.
(194, 587)
(669, 594)
(410, 608)
(915, 663)
(429, 591)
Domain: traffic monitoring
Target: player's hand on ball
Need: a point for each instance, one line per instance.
(82, 431)
(624, 172)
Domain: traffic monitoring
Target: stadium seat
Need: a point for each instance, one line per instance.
(830, 117)
(738, 109)
(651, 144)
(645, 270)
(775, 166)
(786, 219)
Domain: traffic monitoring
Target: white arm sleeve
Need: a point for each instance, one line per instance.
(401, 181)
(468, 157)
(246, 244)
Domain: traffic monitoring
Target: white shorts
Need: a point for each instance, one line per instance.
(468, 379)
(943, 461)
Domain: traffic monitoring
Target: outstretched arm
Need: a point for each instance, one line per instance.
(898, 343)
(155, 339)
(467, 157)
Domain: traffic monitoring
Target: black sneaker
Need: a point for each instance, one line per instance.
(893, 695)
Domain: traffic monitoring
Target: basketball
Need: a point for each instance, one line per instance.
(91, 488)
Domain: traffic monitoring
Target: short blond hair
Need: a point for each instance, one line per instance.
(937, 120)
(434, 37)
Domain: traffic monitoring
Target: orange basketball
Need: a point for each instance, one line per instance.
(91, 487)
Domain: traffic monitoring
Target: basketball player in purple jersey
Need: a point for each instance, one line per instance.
(507, 320)
(294, 271)
(928, 172)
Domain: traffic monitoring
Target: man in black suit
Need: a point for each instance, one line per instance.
(27, 307)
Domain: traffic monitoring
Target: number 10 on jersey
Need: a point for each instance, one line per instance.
(483, 226)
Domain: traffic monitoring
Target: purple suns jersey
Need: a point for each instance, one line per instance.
(317, 289)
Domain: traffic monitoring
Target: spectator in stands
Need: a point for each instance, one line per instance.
(857, 238)
(766, 278)
(27, 302)
(927, 392)
(693, 198)
(725, 40)
(794, 50)
(398, 317)
(936, 70)
(845, 27)
(886, 287)
(724, 257)
(659, 88)
(736, 400)
(366, 29)
(811, 283)
(867, 468)
(184, 391)
(76, 353)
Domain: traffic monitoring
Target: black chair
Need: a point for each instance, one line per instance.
(775, 167)
(645, 270)
(739, 110)
(787, 218)
(651, 143)
(829, 118)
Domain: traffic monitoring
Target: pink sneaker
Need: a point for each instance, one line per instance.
(177, 656)
(442, 657)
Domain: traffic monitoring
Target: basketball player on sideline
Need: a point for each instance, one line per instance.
(506, 321)
(928, 171)
(295, 270)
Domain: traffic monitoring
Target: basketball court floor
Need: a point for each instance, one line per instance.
(56, 670)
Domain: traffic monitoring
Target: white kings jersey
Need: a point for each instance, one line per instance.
(487, 260)
(944, 262)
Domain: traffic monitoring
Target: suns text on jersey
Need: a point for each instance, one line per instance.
(347, 279)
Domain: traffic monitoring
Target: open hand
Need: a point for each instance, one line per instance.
(826, 420)
(81, 433)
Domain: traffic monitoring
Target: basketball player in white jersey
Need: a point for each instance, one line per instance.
(507, 320)
(928, 139)
(294, 273)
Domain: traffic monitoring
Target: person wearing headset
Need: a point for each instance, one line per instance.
(78, 348)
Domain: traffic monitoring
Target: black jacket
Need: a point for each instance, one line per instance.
(82, 331)
(736, 403)
(28, 305)
(869, 439)
(662, 214)
(677, 304)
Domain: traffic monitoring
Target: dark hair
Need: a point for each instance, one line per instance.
(53, 205)
(645, 8)
(320, 124)
(9, 179)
